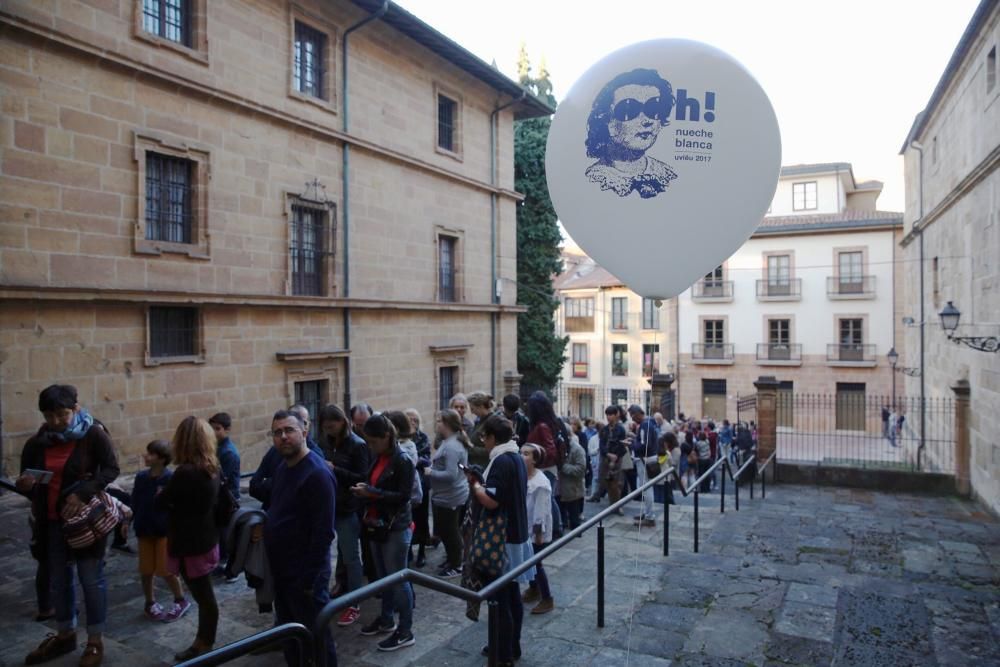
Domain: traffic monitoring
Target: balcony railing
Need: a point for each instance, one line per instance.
(790, 353)
(712, 352)
(712, 291)
(789, 289)
(850, 287)
(580, 369)
(852, 353)
(633, 321)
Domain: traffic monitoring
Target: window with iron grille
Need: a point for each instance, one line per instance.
(308, 251)
(804, 196)
(312, 394)
(308, 67)
(650, 359)
(447, 385)
(447, 123)
(619, 359)
(169, 19)
(619, 397)
(173, 332)
(447, 246)
(650, 314)
(619, 312)
(169, 194)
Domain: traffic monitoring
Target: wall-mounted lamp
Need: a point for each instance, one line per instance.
(894, 359)
(950, 315)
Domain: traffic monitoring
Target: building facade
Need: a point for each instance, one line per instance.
(952, 243)
(810, 298)
(239, 204)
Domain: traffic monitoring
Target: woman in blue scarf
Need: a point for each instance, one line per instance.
(79, 460)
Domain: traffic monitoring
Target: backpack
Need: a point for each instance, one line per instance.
(562, 444)
(225, 505)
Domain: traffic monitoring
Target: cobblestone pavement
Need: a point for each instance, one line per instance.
(809, 576)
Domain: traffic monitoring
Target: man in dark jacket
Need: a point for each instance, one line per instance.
(260, 483)
(299, 531)
(611, 450)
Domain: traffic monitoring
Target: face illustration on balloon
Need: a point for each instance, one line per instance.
(625, 121)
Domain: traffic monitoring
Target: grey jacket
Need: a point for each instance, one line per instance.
(572, 473)
(449, 488)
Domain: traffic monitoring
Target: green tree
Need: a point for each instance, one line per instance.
(540, 352)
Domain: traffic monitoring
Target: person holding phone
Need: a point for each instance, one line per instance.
(77, 453)
(449, 490)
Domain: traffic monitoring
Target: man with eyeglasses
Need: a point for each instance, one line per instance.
(299, 530)
(260, 483)
(625, 121)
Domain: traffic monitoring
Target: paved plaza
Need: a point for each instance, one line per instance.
(809, 576)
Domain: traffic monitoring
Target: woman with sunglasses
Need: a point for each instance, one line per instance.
(387, 519)
(625, 121)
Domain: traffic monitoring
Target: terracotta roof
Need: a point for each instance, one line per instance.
(427, 36)
(844, 220)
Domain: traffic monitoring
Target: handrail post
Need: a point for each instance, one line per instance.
(696, 494)
(600, 574)
(752, 481)
(667, 495)
(763, 483)
(722, 490)
(736, 485)
(492, 607)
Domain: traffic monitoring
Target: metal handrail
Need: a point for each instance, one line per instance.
(486, 594)
(294, 631)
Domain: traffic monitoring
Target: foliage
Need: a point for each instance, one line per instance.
(540, 353)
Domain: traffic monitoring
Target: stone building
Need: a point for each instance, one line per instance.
(952, 243)
(811, 298)
(237, 204)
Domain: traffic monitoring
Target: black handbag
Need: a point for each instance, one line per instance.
(653, 469)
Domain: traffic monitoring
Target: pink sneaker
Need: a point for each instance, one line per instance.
(178, 610)
(154, 611)
(350, 615)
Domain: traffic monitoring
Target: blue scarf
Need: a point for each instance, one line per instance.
(82, 421)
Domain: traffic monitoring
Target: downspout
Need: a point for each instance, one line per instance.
(923, 323)
(345, 173)
(494, 291)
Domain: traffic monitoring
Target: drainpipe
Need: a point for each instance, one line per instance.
(345, 169)
(917, 146)
(494, 291)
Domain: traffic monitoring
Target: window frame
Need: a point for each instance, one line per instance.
(459, 263)
(197, 345)
(456, 151)
(327, 100)
(328, 253)
(653, 366)
(992, 74)
(583, 358)
(443, 396)
(199, 157)
(313, 408)
(196, 46)
(619, 350)
(805, 196)
(619, 315)
(650, 315)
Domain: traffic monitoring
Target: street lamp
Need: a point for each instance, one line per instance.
(950, 315)
(893, 359)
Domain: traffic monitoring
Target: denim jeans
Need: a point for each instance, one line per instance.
(292, 605)
(595, 465)
(348, 529)
(511, 612)
(557, 526)
(390, 556)
(647, 495)
(541, 580)
(91, 574)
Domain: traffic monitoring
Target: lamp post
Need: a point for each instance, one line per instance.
(893, 360)
(950, 316)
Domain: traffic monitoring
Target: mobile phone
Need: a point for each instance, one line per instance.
(41, 476)
(463, 467)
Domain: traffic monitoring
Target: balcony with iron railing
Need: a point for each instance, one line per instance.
(850, 287)
(851, 354)
(779, 354)
(633, 321)
(782, 289)
(712, 291)
(712, 353)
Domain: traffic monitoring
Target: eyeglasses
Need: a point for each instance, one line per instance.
(288, 430)
(630, 108)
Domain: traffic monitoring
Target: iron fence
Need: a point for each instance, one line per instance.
(854, 429)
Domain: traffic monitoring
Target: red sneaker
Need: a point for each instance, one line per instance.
(350, 615)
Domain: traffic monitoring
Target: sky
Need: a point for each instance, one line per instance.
(846, 78)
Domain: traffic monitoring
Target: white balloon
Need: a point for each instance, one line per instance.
(660, 205)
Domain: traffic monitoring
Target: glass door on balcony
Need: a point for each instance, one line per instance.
(619, 313)
(619, 359)
(581, 360)
(779, 340)
(714, 337)
(851, 340)
(850, 278)
(650, 360)
(713, 283)
(650, 314)
(779, 275)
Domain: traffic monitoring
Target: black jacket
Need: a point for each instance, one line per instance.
(393, 487)
(91, 467)
(351, 463)
(189, 500)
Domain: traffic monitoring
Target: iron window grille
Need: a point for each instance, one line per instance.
(173, 332)
(169, 19)
(312, 395)
(169, 194)
(446, 268)
(447, 385)
(310, 49)
(447, 121)
(308, 251)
